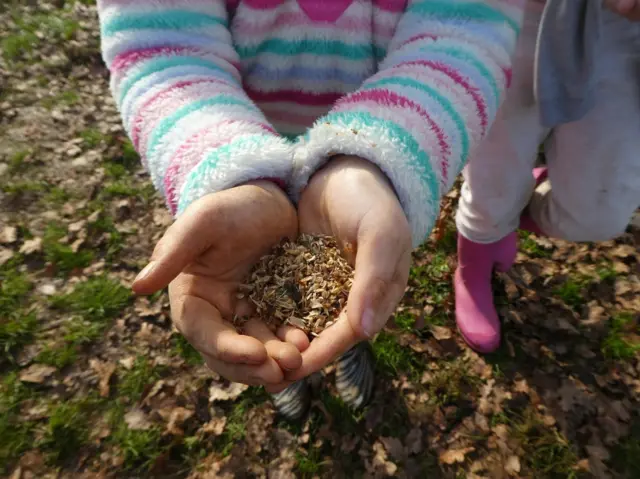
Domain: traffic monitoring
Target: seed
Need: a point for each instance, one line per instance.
(303, 283)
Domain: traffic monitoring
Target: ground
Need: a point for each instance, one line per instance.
(96, 384)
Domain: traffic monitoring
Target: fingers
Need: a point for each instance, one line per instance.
(325, 348)
(202, 325)
(267, 374)
(294, 336)
(381, 273)
(179, 246)
(285, 354)
(244, 222)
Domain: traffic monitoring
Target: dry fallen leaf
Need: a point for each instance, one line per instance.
(441, 333)
(177, 418)
(394, 446)
(137, 420)
(104, 370)
(9, 235)
(455, 455)
(219, 392)
(512, 466)
(36, 373)
(127, 362)
(31, 246)
(5, 255)
(380, 462)
(216, 426)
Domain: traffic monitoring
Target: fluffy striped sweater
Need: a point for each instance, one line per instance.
(215, 93)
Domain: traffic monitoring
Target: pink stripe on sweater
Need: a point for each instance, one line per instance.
(457, 78)
(386, 97)
(422, 36)
(294, 96)
(263, 4)
(141, 114)
(130, 58)
(394, 6)
(347, 23)
(160, 110)
(191, 152)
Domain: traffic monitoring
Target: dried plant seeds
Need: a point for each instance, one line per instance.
(303, 283)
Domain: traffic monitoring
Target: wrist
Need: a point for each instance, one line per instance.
(357, 165)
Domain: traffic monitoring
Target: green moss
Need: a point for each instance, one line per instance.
(115, 240)
(142, 375)
(16, 331)
(546, 453)
(531, 247)
(452, 382)
(62, 255)
(182, 348)
(17, 323)
(392, 358)
(17, 160)
(16, 436)
(93, 137)
(22, 40)
(572, 291)
(405, 321)
(618, 344)
(310, 463)
(65, 98)
(67, 429)
(95, 299)
(432, 280)
(76, 334)
(235, 427)
(139, 449)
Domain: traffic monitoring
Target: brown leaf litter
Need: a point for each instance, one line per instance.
(304, 284)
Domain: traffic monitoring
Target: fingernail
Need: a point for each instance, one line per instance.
(368, 325)
(145, 272)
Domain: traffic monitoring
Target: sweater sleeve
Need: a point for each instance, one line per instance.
(431, 102)
(176, 80)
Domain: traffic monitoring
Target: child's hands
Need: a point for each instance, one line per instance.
(352, 200)
(205, 255)
(629, 9)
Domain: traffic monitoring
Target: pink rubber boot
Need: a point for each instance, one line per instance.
(526, 222)
(476, 313)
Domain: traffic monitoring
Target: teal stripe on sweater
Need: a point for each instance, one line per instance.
(210, 163)
(309, 46)
(170, 121)
(165, 20)
(158, 64)
(418, 159)
(437, 96)
(467, 56)
(447, 9)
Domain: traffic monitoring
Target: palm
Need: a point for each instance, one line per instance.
(250, 228)
(205, 255)
(351, 200)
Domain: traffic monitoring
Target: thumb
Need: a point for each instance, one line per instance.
(188, 237)
(381, 273)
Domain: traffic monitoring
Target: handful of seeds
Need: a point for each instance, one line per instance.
(304, 284)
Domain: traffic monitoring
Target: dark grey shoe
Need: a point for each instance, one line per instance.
(293, 403)
(355, 375)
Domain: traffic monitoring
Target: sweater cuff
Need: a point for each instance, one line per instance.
(392, 148)
(246, 158)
